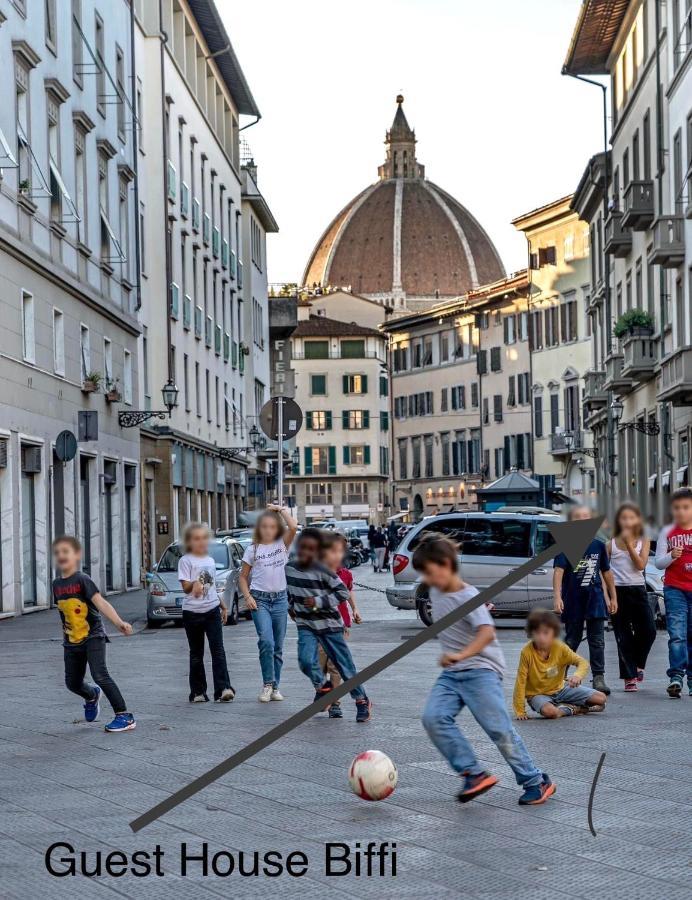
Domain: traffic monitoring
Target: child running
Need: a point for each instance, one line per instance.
(333, 552)
(263, 584)
(633, 623)
(204, 615)
(584, 595)
(80, 605)
(473, 666)
(541, 673)
(674, 554)
(314, 595)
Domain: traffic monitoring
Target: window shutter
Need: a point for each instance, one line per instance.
(308, 461)
(308, 421)
(384, 421)
(345, 384)
(508, 453)
(462, 397)
(563, 322)
(366, 454)
(364, 380)
(505, 324)
(344, 419)
(332, 460)
(463, 463)
(384, 386)
(347, 456)
(328, 420)
(366, 418)
(455, 458)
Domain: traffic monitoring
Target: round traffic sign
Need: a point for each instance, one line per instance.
(292, 418)
(65, 446)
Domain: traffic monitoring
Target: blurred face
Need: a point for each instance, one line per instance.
(66, 557)
(438, 575)
(198, 543)
(268, 529)
(543, 637)
(308, 551)
(682, 512)
(630, 522)
(579, 513)
(333, 556)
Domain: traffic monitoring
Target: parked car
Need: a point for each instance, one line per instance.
(165, 595)
(491, 545)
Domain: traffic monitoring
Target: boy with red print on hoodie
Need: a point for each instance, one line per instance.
(333, 552)
(674, 554)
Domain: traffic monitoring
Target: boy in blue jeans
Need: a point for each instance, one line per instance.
(473, 665)
(314, 595)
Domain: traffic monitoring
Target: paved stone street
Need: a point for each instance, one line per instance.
(63, 780)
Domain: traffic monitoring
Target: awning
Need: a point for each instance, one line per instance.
(398, 516)
(7, 154)
(120, 256)
(681, 475)
(665, 479)
(652, 481)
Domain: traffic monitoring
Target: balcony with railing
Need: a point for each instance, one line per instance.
(676, 378)
(638, 205)
(614, 378)
(618, 240)
(640, 355)
(595, 393)
(668, 247)
(566, 442)
(337, 354)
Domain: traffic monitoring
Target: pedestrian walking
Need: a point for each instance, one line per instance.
(379, 545)
(674, 554)
(81, 606)
(633, 623)
(263, 584)
(204, 615)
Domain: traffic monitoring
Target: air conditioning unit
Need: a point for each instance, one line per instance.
(3, 454)
(31, 460)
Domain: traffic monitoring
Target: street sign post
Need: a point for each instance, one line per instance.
(65, 446)
(281, 419)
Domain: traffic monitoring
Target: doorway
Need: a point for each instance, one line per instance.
(85, 498)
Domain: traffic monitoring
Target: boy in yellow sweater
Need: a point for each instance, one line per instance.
(541, 675)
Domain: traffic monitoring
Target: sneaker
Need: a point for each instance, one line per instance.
(122, 722)
(322, 690)
(363, 710)
(92, 708)
(538, 793)
(640, 674)
(265, 694)
(568, 709)
(227, 694)
(199, 698)
(594, 707)
(600, 685)
(335, 711)
(630, 685)
(276, 694)
(475, 785)
(675, 687)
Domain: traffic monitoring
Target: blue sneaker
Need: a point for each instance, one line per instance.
(538, 793)
(92, 708)
(363, 710)
(335, 711)
(475, 785)
(122, 722)
(674, 688)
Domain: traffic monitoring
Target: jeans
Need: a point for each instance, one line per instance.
(270, 619)
(634, 628)
(679, 625)
(92, 651)
(197, 626)
(335, 646)
(595, 631)
(481, 691)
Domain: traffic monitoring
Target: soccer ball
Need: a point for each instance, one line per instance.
(372, 775)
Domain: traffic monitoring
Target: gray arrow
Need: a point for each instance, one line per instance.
(571, 538)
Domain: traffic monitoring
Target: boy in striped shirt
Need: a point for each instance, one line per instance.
(314, 595)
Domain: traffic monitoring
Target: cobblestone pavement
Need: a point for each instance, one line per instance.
(63, 780)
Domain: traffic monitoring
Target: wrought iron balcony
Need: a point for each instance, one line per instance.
(618, 240)
(638, 203)
(676, 378)
(614, 378)
(566, 442)
(668, 248)
(640, 355)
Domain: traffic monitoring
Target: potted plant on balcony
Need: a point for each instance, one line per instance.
(24, 186)
(91, 382)
(113, 394)
(634, 323)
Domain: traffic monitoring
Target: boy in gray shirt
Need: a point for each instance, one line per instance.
(473, 665)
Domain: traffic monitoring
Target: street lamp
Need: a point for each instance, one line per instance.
(131, 418)
(255, 437)
(616, 411)
(169, 392)
(569, 441)
(295, 458)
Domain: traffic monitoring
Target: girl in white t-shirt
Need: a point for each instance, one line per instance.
(263, 583)
(204, 614)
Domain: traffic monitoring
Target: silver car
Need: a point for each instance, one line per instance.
(165, 595)
(491, 545)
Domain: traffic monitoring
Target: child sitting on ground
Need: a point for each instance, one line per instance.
(541, 674)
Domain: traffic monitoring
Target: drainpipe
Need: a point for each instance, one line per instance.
(163, 37)
(135, 157)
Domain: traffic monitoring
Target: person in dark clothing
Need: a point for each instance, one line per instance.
(379, 545)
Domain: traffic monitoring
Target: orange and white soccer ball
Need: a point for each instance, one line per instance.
(372, 775)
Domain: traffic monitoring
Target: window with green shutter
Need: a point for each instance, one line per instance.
(384, 386)
(308, 460)
(308, 421)
(366, 419)
(332, 460)
(318, 385)
(316, 349)
(355, 384)
(347, 456)
(352, 349)
(384, 421)
(366, 454)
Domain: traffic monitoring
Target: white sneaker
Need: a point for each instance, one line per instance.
(227, 694)
(277, 695)
(266, 694)
(199, 698)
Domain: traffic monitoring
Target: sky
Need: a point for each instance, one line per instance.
(498, 126)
